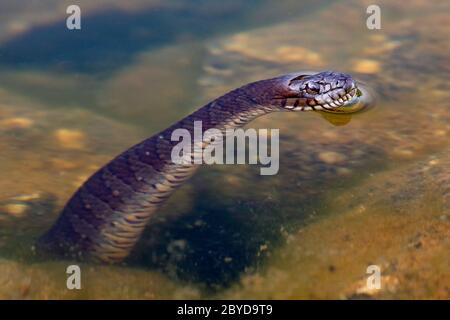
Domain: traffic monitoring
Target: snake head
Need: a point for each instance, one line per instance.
(327, 91)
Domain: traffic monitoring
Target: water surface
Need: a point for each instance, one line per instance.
(374, 191)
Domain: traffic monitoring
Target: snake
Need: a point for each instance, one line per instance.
(105, 217)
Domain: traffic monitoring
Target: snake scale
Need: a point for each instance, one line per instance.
(105, 217)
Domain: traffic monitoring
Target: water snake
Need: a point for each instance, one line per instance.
(106, 216)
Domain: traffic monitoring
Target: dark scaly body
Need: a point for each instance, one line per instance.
(106, 216)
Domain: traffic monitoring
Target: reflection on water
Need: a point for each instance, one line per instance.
(374, 190)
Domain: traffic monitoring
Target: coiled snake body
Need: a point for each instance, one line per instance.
(106, 216)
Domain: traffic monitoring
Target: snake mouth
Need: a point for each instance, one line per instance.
(330, 100)
(337, 99)
(361, 99)
(341, 104)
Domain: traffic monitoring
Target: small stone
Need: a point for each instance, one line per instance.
(28, 197)
(233, 180)
(343, 172)
(211, 69)
(16, 123)
(16, 210)
(329, 134)
(199, 223)
(378, 38)
(433, 162)
(366, 66)
(331, 157)
(403, 153)
(296, 54)
(70, 139)
(361, 209)
(381, 48)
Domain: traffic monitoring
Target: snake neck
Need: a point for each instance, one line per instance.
(106, 216)
(230, 111)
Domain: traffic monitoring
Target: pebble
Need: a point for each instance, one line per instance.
(440, 133)
(28, 197)
(343, 171)
(381, 48)
(233, 180)
(403, 153)
(378, 38)
(361, 209)
(16, 123)
(329, 134)
(296, 54)
(331, 157)
(199, 223)
(366, 66)
(71, 139)
(217, 71)
(16, 210)
(433, 162)
(246, 45)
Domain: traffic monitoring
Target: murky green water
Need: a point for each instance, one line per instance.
(373, 191)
